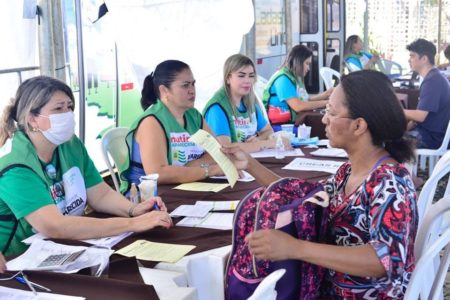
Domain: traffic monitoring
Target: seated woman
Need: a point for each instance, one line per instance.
(233, 113)
(158, 139)
(355, 58)
(285, 94)
(47, 177)
(372, 215)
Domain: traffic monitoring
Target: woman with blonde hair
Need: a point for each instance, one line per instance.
(47, 177)
(233, 113)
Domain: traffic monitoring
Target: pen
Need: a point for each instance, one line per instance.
(22, 280)
(25, 280)
(155, 206)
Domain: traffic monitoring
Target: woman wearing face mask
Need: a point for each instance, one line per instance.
(47, 177)
(158, 141)
(285, 94)
(233, 114)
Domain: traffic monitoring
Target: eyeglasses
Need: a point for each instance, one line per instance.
(326, 113)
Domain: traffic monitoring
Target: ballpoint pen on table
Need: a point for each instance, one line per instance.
(25, 280)
(21, 280)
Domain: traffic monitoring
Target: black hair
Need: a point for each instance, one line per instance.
(164, 74)
(370, 95)
(423, 47)
(447, 52)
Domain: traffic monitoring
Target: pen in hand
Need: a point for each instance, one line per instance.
(156, 207)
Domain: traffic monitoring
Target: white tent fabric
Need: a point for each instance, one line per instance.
(202, 33)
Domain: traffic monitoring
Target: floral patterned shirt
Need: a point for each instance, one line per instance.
(381, 212)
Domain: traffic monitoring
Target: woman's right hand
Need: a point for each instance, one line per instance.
(151, 220)
(237, 156)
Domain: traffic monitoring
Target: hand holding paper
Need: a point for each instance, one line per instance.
(212, 146)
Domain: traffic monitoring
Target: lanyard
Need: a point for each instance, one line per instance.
(387, 156)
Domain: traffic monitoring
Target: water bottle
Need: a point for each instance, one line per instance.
(279, 148)
(148, 186)
(134, 194)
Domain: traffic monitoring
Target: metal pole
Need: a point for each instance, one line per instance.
(288, 24)
(80, 68)
(439, 44)
(117, 85)
(58, 41)
(46, 55)
(366, 26)
(250, 39)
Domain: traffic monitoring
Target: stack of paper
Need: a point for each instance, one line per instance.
(273, 152)
(107, 242)
(222, 221)
(330, 152)
(220, 205)
(146, 250)
(198, 210)
(9, 293)
(304, 164)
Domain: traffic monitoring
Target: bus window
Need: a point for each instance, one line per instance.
(333, 15)
(312, 78)
(309, 16)
(332, 58)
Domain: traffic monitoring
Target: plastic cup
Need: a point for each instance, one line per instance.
(304, 132)
(287, 127)
(149, 186)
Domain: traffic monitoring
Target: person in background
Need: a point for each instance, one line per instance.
(354, 56)
(285, 94)
(367, 254)
(47, 177)
(233, 113)
(428, 123)
(158, 140)
(446, 66)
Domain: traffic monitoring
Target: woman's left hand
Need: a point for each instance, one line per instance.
(148, 205)
(269, 244)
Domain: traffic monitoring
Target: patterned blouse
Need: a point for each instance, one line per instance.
(381, 212)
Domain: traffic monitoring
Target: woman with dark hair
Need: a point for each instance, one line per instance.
(372, 214)
(158, 139)
(356, 59)
(285, 94)
(47, 177)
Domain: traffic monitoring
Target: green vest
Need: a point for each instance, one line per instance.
(18, 151)
(193, 122)
(221, 98)
(266, 94)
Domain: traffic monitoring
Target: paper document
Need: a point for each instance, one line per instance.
(212, 146)
(16, 294)
(197, 210)
(220, 205)
(273, 152)
(222, 221)
(146, 250)
(45, 255)
(330, 152)
(247, 177)
(304, 164)
(107, 242)
(202, 187)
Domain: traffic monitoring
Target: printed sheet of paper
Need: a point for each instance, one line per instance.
(202, 187)
(273, 152)
(212, 146)
(198, 210)
(330, 152)
(219, 205)
(146, 250)
(16, 294)
(108, 242)
(222, 221)
(246, 178)
(304, 164)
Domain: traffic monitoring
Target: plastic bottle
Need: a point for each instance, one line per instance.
(134, 194)
(148, 186)
(279, 148)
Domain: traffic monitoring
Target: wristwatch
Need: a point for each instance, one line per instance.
(205, 167)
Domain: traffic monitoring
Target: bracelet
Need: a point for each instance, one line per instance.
(131, 210)
(205, 167)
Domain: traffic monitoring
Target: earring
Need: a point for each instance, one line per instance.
(34, 129)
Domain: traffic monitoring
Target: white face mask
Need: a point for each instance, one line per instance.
(62, 127)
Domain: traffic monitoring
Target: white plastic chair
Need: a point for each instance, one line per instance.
(266, 289)
(427, 280)
(115, 147)
(391, 68)
(327, 75)
(432, 155)
(428, 191)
